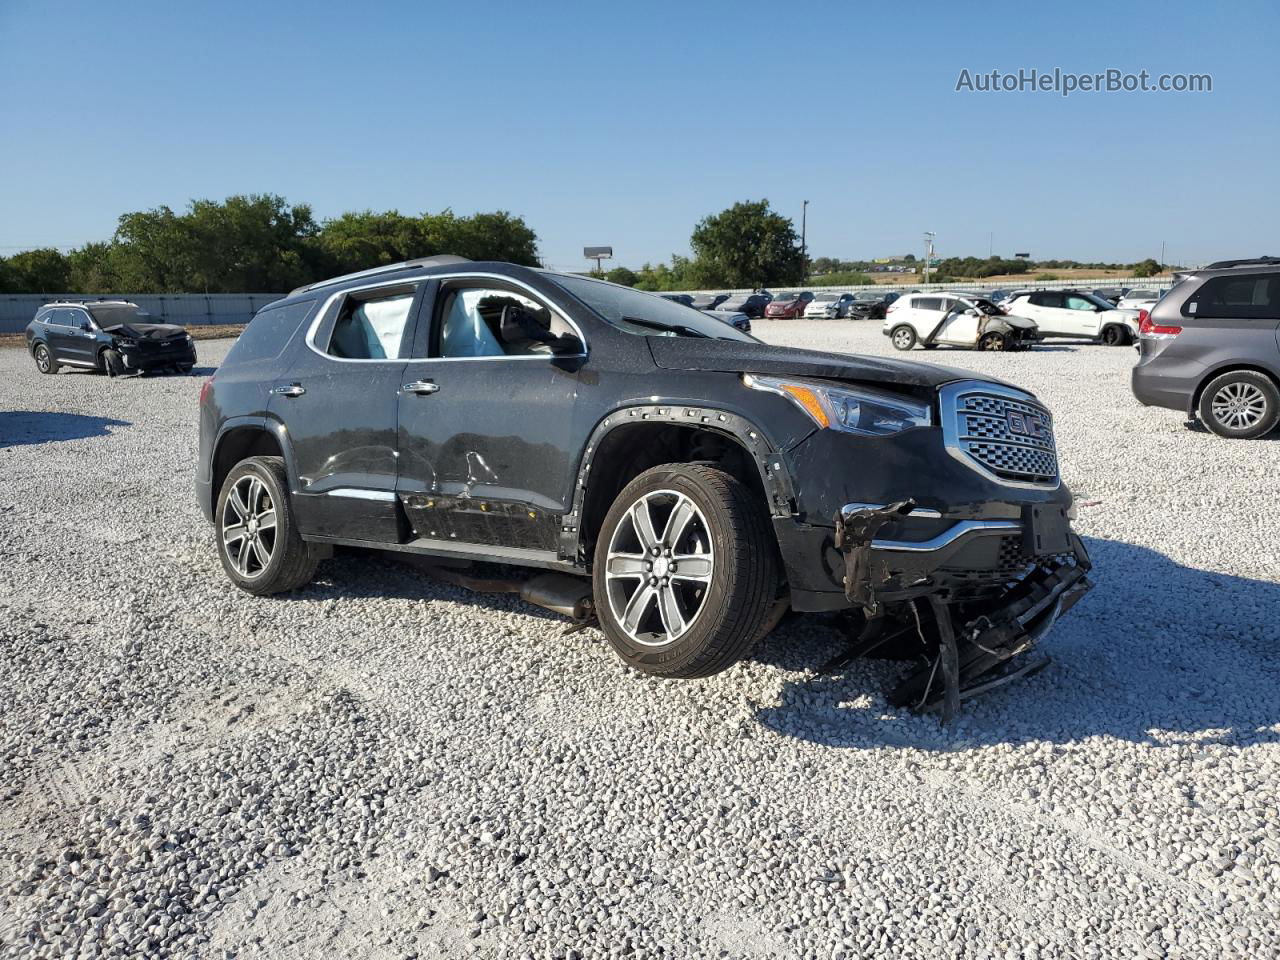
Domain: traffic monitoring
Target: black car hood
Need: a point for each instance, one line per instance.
(147, 331)
(731, 356)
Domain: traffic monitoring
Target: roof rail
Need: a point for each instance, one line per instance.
(1248, 262)
(437, 261)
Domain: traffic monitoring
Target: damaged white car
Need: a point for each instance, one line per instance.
(940, 319)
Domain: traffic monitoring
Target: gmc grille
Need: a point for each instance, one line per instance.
(1001, 432)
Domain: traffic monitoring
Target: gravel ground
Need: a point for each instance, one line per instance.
(384, 766)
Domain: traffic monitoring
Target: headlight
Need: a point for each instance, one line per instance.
(862, 411)
(125, 342)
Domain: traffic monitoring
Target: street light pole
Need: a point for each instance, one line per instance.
(804, 247)
(928, 252)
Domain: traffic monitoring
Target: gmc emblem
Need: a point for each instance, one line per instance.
(1025, 424)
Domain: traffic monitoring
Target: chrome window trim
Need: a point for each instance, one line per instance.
(949, 417)
(415, 282)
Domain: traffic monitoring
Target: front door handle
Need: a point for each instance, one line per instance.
(421, 387)
(292, 390)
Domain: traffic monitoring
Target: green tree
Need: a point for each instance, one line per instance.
(747, 245)
(623, 276)
(1147, 268)
(43, 270)
(94, 269)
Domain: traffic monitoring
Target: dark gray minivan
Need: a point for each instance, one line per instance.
(1211, 347)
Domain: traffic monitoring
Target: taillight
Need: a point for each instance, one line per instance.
(892, 307)
(204, 390)
(1151, 330)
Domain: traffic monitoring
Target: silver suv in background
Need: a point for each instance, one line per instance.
(1211, 347)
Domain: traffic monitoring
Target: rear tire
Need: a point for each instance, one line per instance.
(44, 359)
(258, 540)
(1241, 405)
(903, 337)
(704, 599)
(112, 363)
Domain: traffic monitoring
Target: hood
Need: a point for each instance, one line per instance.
(1121, 313)
(147, 331)
(731, 356)
(781, 305)
(1022, 323)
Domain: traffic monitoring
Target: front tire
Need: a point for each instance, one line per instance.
(1242, 405)
(903, 337)
(258, 540)
(993, 341)
(44, 359)
(112, 362)
(686, 572)
(1114, 336)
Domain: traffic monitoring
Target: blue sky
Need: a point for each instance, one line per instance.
(624, 124)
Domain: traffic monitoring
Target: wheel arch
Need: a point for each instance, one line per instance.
(1229, 367)
(243, 438)
(632, 439)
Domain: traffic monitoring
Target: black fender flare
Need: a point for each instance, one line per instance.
(775, 472)
(264, 424)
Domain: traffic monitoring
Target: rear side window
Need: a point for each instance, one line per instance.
(1046, 299)
(1255, 296)
(268, 332)
(927, 303)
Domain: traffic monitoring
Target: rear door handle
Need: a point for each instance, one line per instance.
(420, 387)
(292, 390)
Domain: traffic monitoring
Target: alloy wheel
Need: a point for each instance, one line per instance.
(249, 526)
(657, 582)
(42, 358)
(1239, 406)
(902, 339)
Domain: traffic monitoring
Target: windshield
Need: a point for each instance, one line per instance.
(986, 306)
(645, 314)
(825, 296)
(112, 315)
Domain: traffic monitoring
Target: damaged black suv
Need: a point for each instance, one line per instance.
(684, 483)
(114, 337)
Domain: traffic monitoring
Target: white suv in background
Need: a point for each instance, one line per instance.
(941, 319)
(1076, 315)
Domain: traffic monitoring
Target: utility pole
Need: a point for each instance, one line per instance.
(1162, 256)
(804, 248)
(991, 243)
(928, 252)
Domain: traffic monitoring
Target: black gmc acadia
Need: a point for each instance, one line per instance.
(703, 481)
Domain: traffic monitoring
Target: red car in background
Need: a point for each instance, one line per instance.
(788, 306)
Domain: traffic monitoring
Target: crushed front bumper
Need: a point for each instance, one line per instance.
(972, 615)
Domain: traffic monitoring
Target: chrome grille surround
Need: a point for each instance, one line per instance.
(978, 421)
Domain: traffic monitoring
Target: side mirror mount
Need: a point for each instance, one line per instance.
(86, 326)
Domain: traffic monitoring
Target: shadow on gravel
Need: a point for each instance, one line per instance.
(1158, 654)
(22, 427)
(358, 574)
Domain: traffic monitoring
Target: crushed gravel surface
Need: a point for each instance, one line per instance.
(385, 766)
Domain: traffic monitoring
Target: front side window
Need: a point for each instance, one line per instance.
(370, 328)
(490, 320)
(1251, 297)
(1080, 303)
